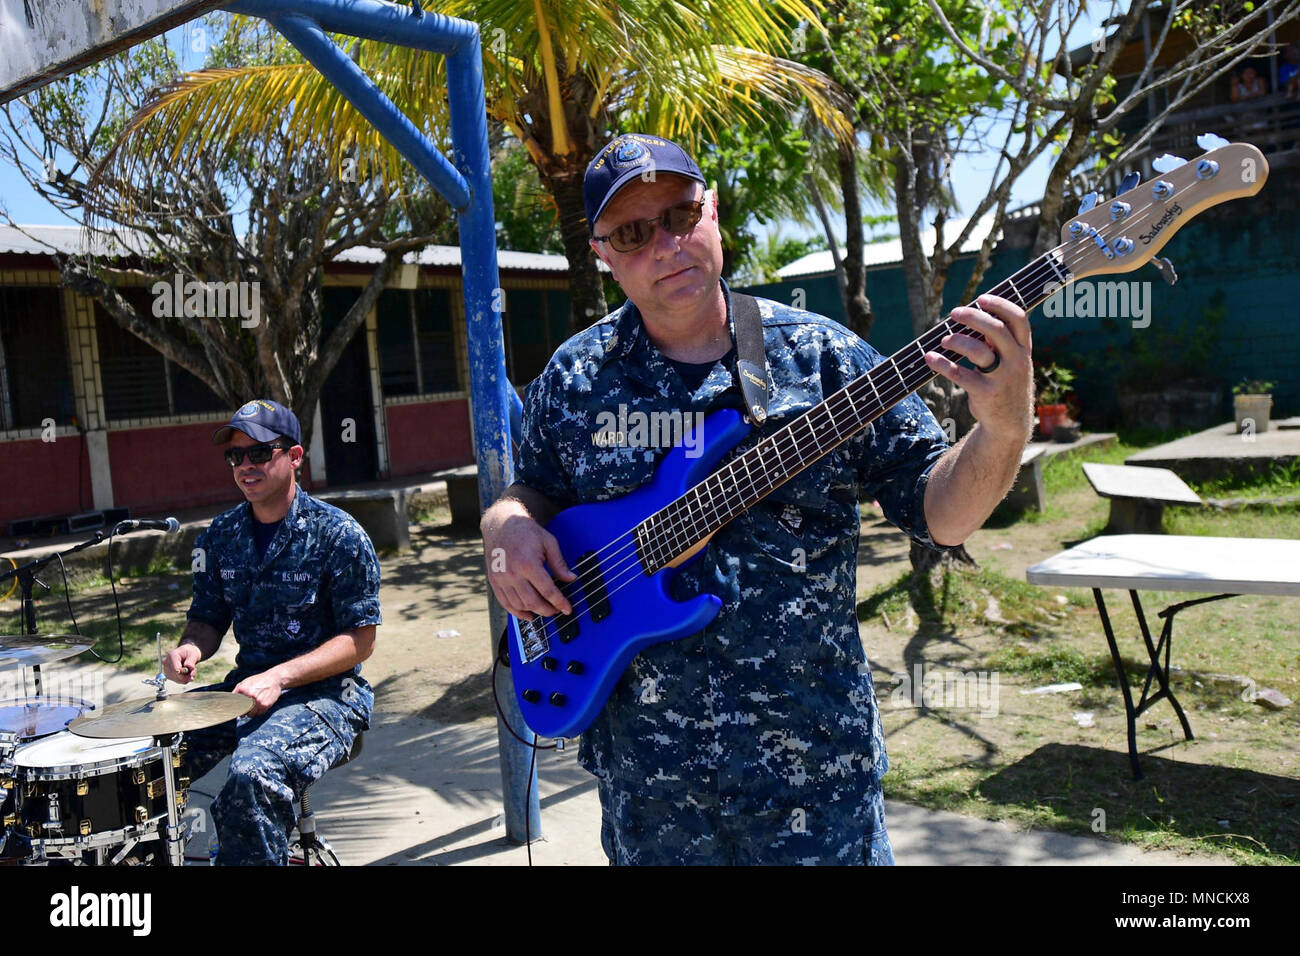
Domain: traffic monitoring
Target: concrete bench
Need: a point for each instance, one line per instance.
(1138, 495)
(1028, 491)
(381, 511)
(462, 496)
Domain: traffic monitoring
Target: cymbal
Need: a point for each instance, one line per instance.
(148, 717)
(28, 650)
(27, 718)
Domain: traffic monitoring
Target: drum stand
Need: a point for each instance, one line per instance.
(172, 829)
(171, 833)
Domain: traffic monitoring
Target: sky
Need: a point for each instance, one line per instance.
(970, 173)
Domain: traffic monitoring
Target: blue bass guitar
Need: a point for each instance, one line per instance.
(625, 551)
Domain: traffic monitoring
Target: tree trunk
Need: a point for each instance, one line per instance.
(831, 242)
(587, 294)
(307, 392)
(925, 299)
(858, 315)
(1054, 193)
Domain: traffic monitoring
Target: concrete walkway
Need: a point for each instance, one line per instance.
(423, 793)
(426, 795)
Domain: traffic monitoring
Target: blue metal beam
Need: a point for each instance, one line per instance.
(468, 186)
(338, 68)
(372, 20)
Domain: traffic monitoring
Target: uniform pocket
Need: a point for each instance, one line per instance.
(339, 720)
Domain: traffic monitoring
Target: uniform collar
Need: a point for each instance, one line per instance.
(282, 533)
(628, 342)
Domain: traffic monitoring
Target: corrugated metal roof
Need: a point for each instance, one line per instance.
(73, 240)
(450, 256)
(885, 253)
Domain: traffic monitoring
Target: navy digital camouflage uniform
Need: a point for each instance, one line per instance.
(319, 576)
(758, 739)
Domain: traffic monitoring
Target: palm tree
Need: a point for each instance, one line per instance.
(561, 75)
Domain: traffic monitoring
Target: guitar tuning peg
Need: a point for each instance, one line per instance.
(1087, 202)
(1131, 180)
(1166, 161)
(1209, 141)
(1166, 269)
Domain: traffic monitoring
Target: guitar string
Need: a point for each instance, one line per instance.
(626, 555)
(902, 361)
(1042, 269)
(785, 435)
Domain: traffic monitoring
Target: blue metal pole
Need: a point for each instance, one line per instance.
(484, 303)
(468, 186)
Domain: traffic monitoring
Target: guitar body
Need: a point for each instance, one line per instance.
(561, 691)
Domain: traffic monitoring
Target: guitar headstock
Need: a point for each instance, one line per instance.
(1127, 232)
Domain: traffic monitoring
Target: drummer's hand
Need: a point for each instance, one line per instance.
(265, 690)
(181, 663)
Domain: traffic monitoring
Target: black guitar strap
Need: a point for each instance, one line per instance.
(751, 358)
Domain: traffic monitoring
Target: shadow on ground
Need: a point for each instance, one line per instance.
(1252, 810)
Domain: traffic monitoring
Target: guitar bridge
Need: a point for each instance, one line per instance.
(533, 642)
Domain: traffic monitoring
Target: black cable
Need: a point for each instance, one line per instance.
(67, 596)
(497, 700)
(528, 822)
(121, 649)
(532, 764)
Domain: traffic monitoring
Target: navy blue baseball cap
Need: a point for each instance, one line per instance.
(263, 420)
(628, 157)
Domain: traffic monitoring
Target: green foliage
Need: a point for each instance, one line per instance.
(1253, 386)
(1279, 480)
(527, 220)
(1052, 382)
(758, 172)
(771, 254)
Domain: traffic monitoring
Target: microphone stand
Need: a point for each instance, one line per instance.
(27, 580)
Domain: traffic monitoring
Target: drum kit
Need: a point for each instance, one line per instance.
(96, 787)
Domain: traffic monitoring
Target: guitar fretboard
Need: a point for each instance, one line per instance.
(751, 476)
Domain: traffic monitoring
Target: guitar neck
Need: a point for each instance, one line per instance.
(749, 477)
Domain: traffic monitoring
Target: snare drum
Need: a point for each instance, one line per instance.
(81, 793)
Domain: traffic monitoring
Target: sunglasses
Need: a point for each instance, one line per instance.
(257, 454)
(678, 220)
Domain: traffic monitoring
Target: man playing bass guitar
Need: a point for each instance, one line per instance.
(758, 739)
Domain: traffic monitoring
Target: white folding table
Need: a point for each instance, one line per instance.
(1220, 567)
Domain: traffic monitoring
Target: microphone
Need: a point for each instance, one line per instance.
(170, 525)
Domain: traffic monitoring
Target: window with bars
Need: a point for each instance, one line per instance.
(535, 323)
(417, 351)
(35, 377)
(138, 381)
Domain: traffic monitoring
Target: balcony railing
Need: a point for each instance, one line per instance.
(1270, 122)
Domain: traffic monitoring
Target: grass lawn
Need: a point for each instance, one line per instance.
(970, 740)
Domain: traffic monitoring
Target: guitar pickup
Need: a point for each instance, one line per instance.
(566, 625)
(593, 582)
